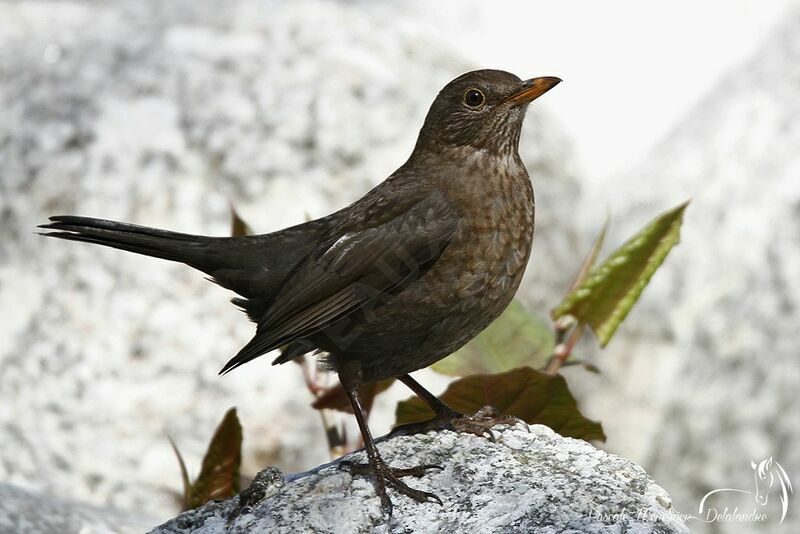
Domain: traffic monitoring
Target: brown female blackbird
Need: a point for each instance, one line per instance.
(397, 280)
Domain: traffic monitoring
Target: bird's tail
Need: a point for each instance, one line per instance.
(254, 266)
(185, 248)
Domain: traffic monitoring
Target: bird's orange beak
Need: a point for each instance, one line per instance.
(533, 89)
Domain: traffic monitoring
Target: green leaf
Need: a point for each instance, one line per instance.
(533, 396)
(238, 226)
(219, 474)
(514, 339)
(604, 299)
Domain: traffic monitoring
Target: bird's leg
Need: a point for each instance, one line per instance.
(350, 377)
(446, 418)
(444, 413)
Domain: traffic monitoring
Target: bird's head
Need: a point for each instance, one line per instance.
(482, 109)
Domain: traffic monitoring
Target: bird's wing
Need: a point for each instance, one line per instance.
(352, 269)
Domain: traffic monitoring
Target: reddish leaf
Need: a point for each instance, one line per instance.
(219, 474)
(334, 398)
(533, 396)
(238, 226)
(187, 485)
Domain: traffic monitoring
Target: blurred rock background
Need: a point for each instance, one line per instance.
(163, 113)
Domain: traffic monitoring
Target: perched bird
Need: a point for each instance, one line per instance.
(397, 280)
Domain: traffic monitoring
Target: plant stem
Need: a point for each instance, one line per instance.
(563, 349)
(334, 433)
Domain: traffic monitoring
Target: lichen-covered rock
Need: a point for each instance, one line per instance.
(526, 481)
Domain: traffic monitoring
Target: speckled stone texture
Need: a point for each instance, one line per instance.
(525, 482)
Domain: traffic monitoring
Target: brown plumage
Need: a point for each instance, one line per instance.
(399, 279)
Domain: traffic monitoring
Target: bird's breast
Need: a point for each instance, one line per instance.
(495, 235)
(501, 232)
(473, 280)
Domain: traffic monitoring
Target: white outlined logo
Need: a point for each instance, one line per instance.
(769, 476)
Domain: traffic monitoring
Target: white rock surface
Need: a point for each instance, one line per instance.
(533, 481)
(160, 113)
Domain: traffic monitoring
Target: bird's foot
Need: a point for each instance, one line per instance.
(445, 416)
(390, 476)
(480, 423)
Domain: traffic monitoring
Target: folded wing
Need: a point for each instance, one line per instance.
(352, 269)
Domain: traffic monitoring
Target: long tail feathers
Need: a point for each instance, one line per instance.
(174, 246)
(236, 264)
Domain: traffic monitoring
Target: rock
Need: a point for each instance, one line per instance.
(159, 114)
(533, 481)
(24, 512)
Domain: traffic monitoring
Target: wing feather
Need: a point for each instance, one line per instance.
(350, 270)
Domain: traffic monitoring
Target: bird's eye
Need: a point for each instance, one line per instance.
(474, 98)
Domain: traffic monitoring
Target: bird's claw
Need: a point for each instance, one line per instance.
(479, 424)
(483, 420)
(390, 476)
(442, 421)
